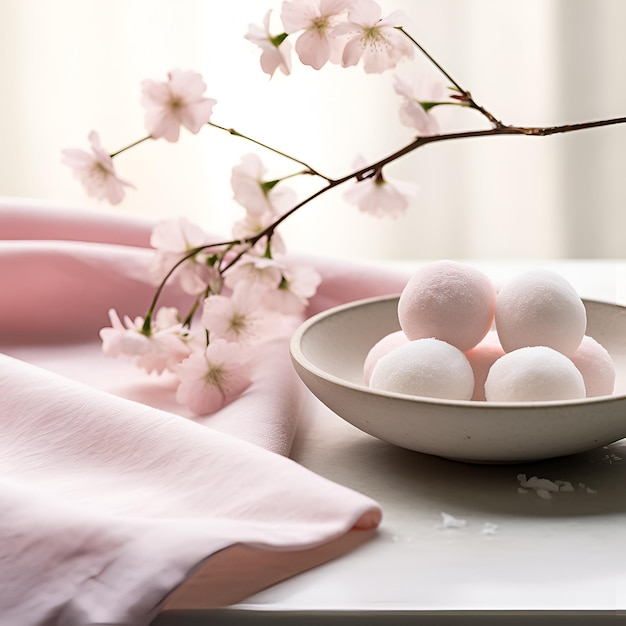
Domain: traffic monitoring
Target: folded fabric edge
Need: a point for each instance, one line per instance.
(158, 554)
(239, 571)
(25, 218)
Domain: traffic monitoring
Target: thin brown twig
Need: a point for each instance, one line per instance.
(374, 168)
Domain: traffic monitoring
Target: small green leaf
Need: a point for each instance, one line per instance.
(427, 106)
(146, 329)
(268, 185)
(278, 39)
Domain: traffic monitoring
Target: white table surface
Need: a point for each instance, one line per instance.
(555, 561)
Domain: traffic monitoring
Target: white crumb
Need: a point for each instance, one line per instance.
(449, 521)
(541, 484)
(544, 493)
(489, 528)
(544, 487)
(564, 485)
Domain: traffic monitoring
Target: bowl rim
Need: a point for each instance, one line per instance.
(298, 356)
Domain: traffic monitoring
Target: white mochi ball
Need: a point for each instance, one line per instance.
(540, 308)
(449, 301)
(534, 374)
(380, 348)
(425, 367)
(597, 367)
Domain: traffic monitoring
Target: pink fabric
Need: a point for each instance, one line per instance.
(110, 493)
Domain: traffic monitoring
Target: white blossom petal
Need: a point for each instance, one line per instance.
(177, 102)
(95, 171)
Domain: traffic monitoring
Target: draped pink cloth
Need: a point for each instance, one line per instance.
(111, 495)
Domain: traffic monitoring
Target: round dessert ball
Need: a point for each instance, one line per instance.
(425, 367)
(481, 358)
(449, 301)
(381, 347)
(596, 365)
(540, 308)
(534, 374)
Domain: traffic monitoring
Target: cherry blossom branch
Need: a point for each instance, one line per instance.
(131, 145)
(374, 168)
(464, 95)
(542, 131)
(361, 174)
(308, 169)
(147, 323)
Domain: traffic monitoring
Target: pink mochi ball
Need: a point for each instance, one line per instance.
(425, 367)
(540, 308)
(597, 367)
(481, 358)
(534, 374)
(380, 348)
(449, 301)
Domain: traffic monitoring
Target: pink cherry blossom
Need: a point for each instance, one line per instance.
(298, 284)
(412, 113)
(380, 196)
(317, 18)
(276, 50)
(214, 377)
(95, 171)
(253, 224)
(251, 191)
(255, 271)
(177, 102)
(162, 349)
(172, 240)
(377, 41)
(238, 317)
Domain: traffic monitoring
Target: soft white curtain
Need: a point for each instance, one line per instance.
(71, 66)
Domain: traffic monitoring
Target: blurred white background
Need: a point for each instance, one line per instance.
(70, 66)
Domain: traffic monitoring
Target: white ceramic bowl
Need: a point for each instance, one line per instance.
(328, 352)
